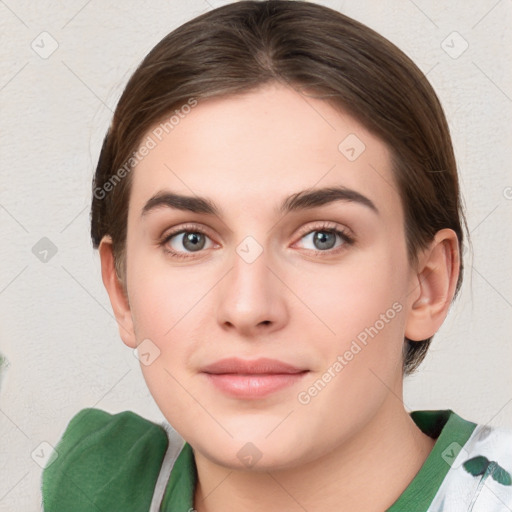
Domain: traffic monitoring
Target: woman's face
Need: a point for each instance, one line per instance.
(267, 276)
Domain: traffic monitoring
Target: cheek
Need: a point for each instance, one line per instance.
(351, 297)
(160, 298)
(168, 306)
(363, 319)
(165, 306)
(360, 312)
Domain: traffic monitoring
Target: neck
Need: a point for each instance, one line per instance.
(367, 472)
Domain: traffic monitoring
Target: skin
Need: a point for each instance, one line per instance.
(247, 153)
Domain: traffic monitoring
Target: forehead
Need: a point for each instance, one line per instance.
(257, 148)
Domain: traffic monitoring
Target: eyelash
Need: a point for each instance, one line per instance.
(347, 239)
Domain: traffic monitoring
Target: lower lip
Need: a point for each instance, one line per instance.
(253, 386)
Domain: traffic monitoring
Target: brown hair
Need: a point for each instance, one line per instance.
(241, 46)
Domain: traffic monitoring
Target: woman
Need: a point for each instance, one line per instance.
(277, 212)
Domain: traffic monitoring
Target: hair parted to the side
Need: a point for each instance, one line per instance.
(319, 52)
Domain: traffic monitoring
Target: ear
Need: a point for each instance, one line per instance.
(118, 298)
(434, 284)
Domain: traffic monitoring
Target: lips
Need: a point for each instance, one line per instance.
(249, 380)
(255, 367)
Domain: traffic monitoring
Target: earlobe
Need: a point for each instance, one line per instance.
(116, 293)
(435, 284)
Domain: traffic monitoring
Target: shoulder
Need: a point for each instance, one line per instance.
(492, 442)
(489, 452)
(110, 461)
(479, 467)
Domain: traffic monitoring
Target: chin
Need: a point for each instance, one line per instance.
(253, 449)
(252, 457)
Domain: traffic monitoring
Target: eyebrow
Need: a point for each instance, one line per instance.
(303, 200)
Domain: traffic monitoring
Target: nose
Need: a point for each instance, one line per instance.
(252, 296)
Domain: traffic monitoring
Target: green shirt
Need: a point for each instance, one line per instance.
(109, 462)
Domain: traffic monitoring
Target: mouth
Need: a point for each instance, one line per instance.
(252, 379)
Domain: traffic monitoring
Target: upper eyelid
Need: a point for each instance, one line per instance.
(326, 225)
(185, 228)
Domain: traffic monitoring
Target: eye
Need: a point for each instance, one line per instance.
(186, 241)
(324, 238)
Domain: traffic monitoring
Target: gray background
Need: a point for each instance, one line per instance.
(57, 331)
